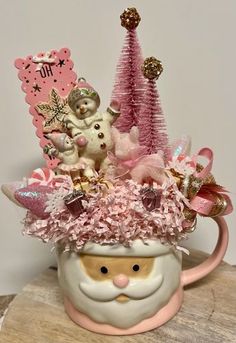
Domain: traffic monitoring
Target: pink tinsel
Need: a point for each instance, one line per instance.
(117, 217)
(151, 124)
(129, 83)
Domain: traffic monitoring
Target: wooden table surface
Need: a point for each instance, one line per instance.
(208, 313)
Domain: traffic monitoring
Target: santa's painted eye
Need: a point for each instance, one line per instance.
(136, 267)
(104, 270)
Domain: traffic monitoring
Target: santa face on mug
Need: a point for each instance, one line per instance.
(120, 291)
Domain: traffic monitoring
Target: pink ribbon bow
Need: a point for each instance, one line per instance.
(211, 199)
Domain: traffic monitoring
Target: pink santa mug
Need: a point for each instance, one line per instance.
(119, 290)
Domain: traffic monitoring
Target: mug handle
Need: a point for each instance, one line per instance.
(196, 273)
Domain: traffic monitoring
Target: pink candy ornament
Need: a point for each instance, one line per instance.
(34, 198)
(41, 176)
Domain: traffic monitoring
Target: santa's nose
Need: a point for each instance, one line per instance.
(120, 281)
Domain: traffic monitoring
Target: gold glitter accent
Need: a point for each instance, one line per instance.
(190, 219)
(207, 180)
(189, 214)
(194, 186)
(130, 18)
(152, 68)
(219, 206)
(178, 177)
(92, 184)
(191, 186)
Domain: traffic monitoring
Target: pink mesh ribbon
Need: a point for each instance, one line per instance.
(140, 166)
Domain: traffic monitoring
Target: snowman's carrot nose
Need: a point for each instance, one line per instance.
(82, 109)
(120, 281)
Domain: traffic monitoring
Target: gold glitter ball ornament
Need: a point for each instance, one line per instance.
(130, 18)
(152, 68)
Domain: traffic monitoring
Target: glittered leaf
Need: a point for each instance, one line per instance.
(54, 112)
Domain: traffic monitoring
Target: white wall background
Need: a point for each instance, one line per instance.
(195, 40)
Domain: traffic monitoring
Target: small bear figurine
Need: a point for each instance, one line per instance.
(67, 151)
(90, 129)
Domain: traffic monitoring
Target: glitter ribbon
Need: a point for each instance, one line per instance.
(206, 199)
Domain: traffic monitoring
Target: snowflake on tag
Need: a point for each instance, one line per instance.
(54, 112)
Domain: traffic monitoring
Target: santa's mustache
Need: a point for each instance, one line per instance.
(136, 289)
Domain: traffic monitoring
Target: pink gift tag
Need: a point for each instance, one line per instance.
(44, 76)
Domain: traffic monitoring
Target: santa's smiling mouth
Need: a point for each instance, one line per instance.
(122, 298)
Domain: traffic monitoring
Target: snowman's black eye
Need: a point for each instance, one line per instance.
(85, 103)
(136, 267)
(77, 106)
(104, 270)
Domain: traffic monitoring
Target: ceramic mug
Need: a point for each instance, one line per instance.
(121, 290)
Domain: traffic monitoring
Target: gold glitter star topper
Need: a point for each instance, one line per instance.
(130, 18)
(152, 68)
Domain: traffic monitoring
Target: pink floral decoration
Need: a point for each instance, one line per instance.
(117, 217)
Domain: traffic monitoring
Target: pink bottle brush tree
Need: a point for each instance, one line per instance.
(129, 84)
(151, 123)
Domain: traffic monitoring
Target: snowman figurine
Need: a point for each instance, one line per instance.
(90, 129)
(67, 151)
